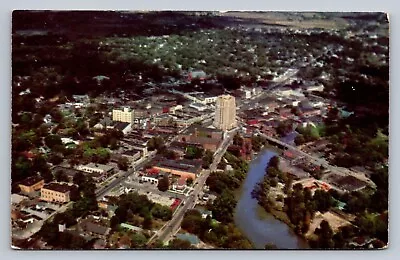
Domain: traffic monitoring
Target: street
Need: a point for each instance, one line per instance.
(319, 161)
(174, 224)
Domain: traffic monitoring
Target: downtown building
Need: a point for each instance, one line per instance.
(225, 114)
(123, 115)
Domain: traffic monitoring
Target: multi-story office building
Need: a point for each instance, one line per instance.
(56, 192)
(225, 114)
(124, 115)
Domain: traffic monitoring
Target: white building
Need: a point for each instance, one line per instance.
(198, 106)
(209, 100)
(125, 115)
(96, 168)
(225, 114)
(175, 108)
(66, 140)
(150, 178)
(319, 88)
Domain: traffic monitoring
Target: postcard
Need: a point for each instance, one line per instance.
(199, 130)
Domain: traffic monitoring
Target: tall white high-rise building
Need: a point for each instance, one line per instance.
(225, 114)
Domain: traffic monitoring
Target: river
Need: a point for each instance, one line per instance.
(257, 225)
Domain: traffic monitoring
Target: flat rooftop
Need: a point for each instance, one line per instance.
(60, 187)
(100, 166)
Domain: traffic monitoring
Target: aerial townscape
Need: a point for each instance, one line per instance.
(199, 130)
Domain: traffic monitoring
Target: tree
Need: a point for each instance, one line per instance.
(193, 152)
(114, 222)
(79, 179)
(123, 163)
(207, 159)
(222, 164)
(224, 206)
(55, 159)
(237, 140)
(299, 139)
(274, 162)
(163, 183)
(138, 240)
(156, 244)
(49, 232)
(192, 222)
(148, 222)
(325, 235)
(323, 200)
(155, 143)
(284, 127)
(61, 176)
(66, 218)
(189, 181)
(161, 212)
(177, 243)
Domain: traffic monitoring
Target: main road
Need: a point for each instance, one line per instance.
(174, 224)
(104, 190)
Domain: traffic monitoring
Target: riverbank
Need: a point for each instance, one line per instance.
(271, 228)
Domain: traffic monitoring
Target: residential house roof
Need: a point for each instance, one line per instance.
(121, 125)
(31, 180)
(349, 183)
(89, 226)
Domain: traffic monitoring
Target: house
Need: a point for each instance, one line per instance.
(197, 74)
(205, 213)
(180, 184)
(130, 227)
(349, 183)
(28, 155)
(81, 98)
(90, 226)
(66, 141)
(105, 123)
(124, 127)
(290, 154)
(56, 192)
(31, 184)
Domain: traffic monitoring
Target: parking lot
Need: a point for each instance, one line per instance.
(35, 212)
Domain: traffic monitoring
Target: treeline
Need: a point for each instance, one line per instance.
(300, 206)
(132, 205)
